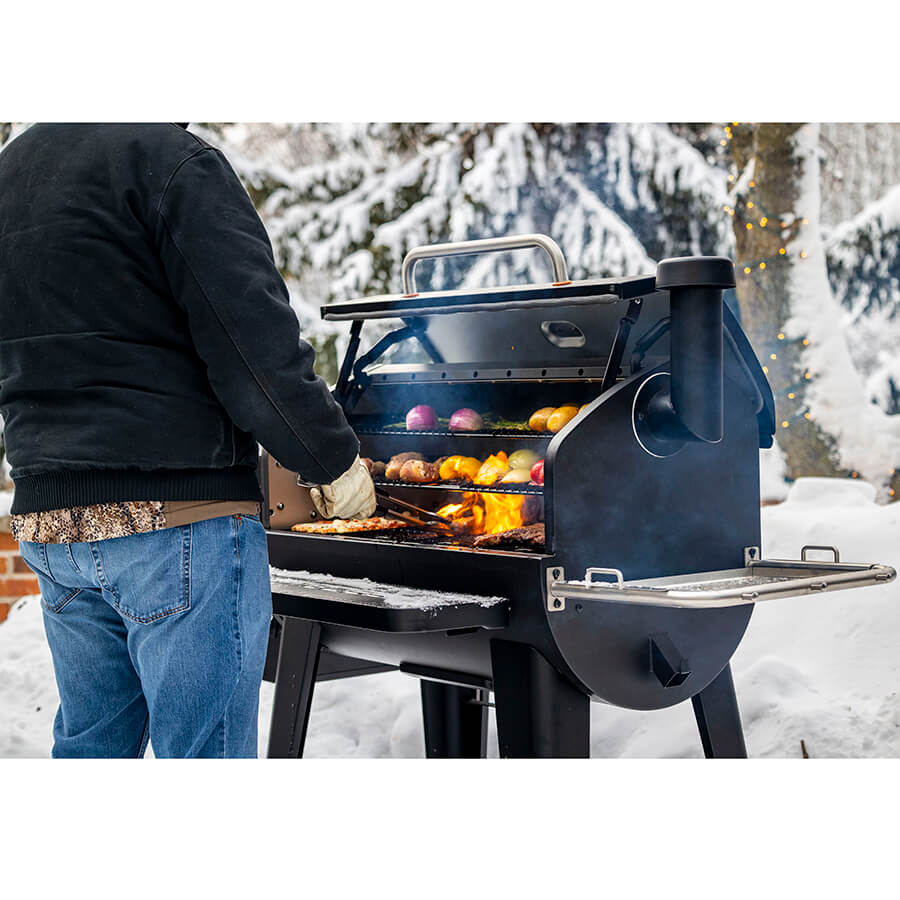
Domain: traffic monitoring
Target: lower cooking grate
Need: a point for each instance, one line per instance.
(438, 538)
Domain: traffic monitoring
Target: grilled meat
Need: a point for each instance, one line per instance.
(528, 535)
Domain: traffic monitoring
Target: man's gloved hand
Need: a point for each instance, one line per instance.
(352, 496)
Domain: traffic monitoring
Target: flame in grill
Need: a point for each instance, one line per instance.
(481, 513)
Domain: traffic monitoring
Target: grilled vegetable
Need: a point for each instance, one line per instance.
(375, 466)
(392, 471)
(537, 472)
(466, 419)
(561, 417)
(459, 468)
(538, 420)
(418, 471)
(421, 418)
(493, 468)
(516, 476)
(523, 459)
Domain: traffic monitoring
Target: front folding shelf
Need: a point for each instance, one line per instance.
(759, 580)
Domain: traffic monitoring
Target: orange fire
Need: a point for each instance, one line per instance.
(481, 513)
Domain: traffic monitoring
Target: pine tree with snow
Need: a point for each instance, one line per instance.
(826, 424)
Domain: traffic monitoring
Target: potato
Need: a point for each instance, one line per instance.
(392, 471)
(375, 466)
(417, 471)
(561, 417)
(538, 420)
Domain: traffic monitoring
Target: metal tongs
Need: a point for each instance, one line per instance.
(409, 512)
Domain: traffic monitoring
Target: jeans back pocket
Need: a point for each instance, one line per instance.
(148, 576)
(54, 596)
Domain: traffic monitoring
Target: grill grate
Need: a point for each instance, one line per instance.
(517, 433)
(465, 486)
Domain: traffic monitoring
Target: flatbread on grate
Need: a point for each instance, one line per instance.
(351, 526)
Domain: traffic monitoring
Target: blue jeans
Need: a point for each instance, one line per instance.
(160, 635)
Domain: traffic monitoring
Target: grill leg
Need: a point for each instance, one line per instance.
(455, 720)
(540, 714)
(719, 719)
(295, 678)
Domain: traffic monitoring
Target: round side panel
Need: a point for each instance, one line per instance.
(615, 661)
(613, 504)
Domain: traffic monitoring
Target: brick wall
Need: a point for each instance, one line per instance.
(16, 579)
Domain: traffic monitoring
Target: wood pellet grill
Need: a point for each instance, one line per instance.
(651, 565)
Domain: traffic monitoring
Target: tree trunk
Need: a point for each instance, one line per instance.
(767, 221)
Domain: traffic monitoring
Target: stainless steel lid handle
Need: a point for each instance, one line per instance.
(488, 245)
(827, 548)
(595, 570)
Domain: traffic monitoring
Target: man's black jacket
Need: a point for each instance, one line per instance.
(146, 339)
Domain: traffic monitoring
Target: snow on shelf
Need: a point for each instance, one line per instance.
(393, 595)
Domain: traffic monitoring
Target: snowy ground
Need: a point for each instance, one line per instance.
(824, 669)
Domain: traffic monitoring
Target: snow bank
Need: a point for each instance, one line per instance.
(28, 696)
(868, 439)
(772, 474)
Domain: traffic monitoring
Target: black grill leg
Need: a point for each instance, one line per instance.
(540, 714)
(295, 678)
(719, 719)
(455, 720)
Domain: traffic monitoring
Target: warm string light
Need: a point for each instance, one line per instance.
(765, 261)
(753, 204)
(761, 265)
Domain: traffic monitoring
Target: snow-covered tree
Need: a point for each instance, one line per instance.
(827, 424)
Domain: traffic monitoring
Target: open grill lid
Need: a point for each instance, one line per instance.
(599, 327)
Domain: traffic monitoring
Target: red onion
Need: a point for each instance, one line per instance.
(466, 420)
(421, 418)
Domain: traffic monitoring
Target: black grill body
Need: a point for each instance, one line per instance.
(628, 485)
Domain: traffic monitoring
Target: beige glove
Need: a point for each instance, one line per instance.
(352, 496)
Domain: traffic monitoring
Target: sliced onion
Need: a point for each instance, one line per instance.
(523, 459)
(466, 419)
(421, 418)
(516, 476)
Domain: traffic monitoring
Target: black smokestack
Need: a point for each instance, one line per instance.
(693, 410)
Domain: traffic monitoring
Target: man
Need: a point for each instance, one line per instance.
(146, 345)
